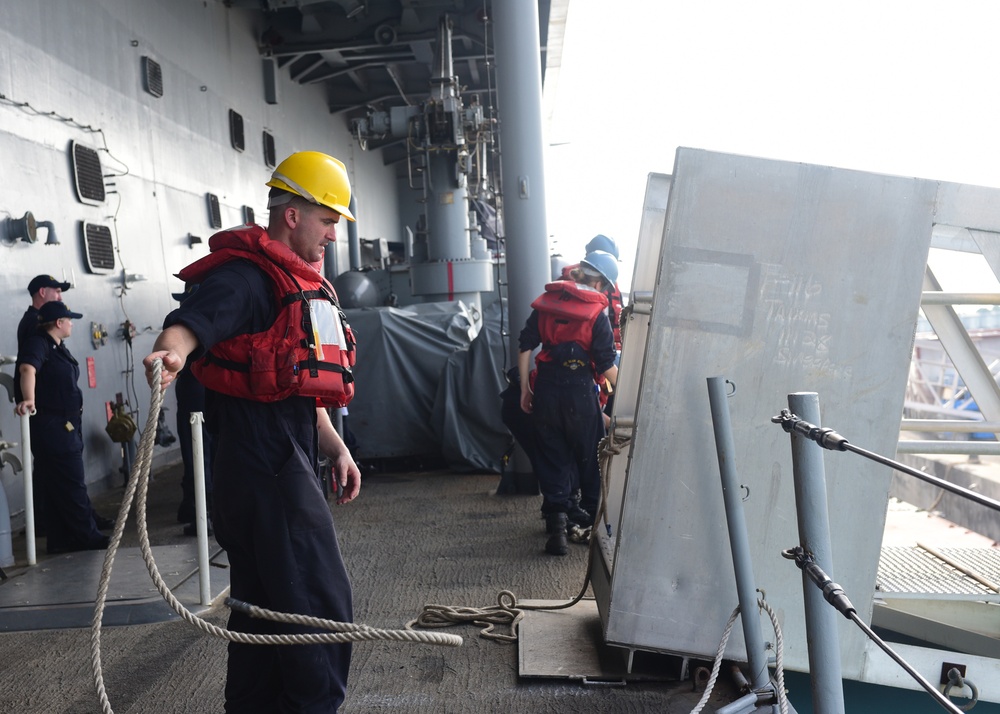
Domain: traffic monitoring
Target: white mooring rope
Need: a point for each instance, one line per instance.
(779, 670)
(139, 481)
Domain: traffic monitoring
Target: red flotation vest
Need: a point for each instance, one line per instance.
(566, 314)
(614, 299)
(308, 351)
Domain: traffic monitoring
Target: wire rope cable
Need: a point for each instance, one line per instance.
(137, 487)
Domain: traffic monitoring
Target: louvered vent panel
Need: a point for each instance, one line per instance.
(248, 217)
(98, 248)
(269, 157)
(152, 76)
(87, 174)
(214, 212)
(236, 130)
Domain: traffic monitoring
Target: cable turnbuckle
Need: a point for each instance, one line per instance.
(827, 438)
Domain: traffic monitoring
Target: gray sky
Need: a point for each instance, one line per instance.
(904, 88)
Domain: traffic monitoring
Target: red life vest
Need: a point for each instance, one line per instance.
(566, 314)
(284, 360)
(616, 301)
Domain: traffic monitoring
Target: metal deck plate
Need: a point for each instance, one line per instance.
(914, 572)
(60, 592)
(566, 644)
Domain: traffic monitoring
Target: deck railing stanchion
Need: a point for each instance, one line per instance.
(814, 536)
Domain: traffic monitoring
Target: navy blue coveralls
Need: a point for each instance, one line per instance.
(568, 421)
(270, 514)
(28, 325)
(57, 445)
(519, 424)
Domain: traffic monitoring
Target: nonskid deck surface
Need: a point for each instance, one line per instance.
(409, 540)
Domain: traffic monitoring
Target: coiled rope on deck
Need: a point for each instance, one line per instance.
(139, 483)
(507, 612)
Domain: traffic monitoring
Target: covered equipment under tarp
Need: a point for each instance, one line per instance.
(466, 414)
(427, 385)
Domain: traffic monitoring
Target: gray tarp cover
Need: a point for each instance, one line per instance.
(425, 388)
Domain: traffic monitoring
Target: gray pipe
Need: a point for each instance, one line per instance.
(50, 239)
(813, 514)
(353, 241)
(739, 541)
(519, 92)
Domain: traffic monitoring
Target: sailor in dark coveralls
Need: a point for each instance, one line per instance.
(269, 511)
(569, 321)
(42, 289)
(47, 388)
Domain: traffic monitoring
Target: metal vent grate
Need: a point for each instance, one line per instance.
(87, 174)
(214, 212)
(152, 77)
(269, 157)
(98, 248)
(248, 217)
(236, 130)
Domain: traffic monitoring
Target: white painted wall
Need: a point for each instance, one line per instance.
(80, 60)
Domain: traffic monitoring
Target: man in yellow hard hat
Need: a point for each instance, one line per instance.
(268, 340)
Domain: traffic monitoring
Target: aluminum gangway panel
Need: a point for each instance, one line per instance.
(783, 277)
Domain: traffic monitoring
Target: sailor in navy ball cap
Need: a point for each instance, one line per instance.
(46, 281)
(43, 289)
(48, 390)
(52, 311)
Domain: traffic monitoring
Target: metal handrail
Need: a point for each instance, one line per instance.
(806, 561)
(829, 439)
(835, 595)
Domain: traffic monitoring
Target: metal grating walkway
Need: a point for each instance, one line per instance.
(919, 572)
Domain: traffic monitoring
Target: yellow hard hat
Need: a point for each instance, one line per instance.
(318, 178)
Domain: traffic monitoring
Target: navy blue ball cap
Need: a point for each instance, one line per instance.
(45, 281)
(53, 310)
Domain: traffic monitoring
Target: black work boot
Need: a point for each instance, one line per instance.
(555, 526)
(579, 517)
